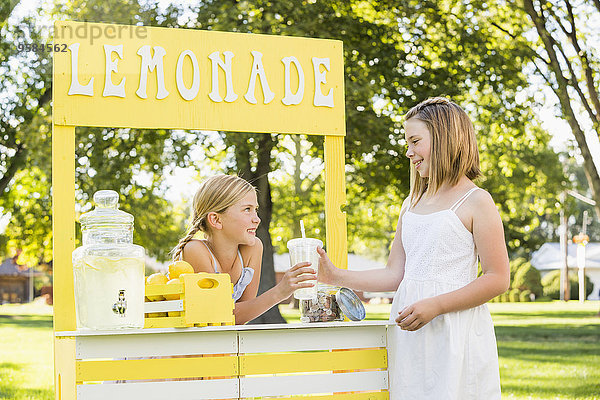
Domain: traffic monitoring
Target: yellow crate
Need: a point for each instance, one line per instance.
(204, 299)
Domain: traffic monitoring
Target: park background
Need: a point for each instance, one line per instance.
(527, 72)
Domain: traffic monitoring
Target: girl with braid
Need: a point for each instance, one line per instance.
(225, 211)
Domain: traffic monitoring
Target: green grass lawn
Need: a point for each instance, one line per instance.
(26, 352)
(547, 350)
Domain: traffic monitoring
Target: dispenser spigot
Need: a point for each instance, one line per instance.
(121, 305)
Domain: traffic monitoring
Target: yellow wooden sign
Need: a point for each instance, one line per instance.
(148, 77)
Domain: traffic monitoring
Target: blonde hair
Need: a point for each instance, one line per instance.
(454, 150)
(216, 194)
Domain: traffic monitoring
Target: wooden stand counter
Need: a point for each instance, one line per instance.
(328, 360)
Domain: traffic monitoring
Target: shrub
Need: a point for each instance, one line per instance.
(514, 266)
(528, 277)
(513, 295)
(504, 297)
(551, 284)
(525, 296)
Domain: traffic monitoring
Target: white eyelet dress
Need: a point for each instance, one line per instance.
(453, 357)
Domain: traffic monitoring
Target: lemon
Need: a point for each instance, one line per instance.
(178, 268)
(174, 313)
(156, 279)
(172, 296)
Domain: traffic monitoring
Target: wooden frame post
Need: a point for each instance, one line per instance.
(63, 236)
(335, 199)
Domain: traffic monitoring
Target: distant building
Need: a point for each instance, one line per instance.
(355, 263)
(549, 258)
(16, 282)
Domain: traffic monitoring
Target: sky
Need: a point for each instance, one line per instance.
(182, 181)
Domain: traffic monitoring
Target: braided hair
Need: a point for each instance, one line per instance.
(216, 194)
(454, 150)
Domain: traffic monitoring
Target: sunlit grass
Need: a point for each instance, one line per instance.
(548, 350)
(26, 352)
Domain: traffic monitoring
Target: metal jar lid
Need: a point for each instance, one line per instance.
(350, 304)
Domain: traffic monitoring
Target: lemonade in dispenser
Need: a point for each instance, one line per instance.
(108, 268)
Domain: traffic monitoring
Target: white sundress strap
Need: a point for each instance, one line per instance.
(409, 202)
(241, 259)
(213, 257)
(462, 199)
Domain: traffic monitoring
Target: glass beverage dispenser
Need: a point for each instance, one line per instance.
(108, 268)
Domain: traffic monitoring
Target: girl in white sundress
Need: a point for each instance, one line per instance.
(444, 345)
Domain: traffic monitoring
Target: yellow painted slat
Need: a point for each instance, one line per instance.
(254, 364)
(63, 225)
(165, 322)
(174, 288)
(335, 198)
(384, 395)
(162, 368)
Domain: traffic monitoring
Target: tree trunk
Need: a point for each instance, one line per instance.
(260, 179)
(562, 92)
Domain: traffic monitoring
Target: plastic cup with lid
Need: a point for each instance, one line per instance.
(302, 250)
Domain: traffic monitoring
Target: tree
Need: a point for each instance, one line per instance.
(253, 156)
(133, 162)
(566, 57)
(26, 93)
(395, 56)
(298, 191)
(456, 48)
(24, 162)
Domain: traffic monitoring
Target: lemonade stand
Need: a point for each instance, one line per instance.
(141, 77)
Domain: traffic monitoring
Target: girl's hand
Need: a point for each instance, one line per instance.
(327, 270)
(296, 278)
(418, 314)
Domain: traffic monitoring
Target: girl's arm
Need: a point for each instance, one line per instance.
(488, 234)
(374, 280)
(249, 306)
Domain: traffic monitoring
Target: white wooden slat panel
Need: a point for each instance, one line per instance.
(188, 390)
(355, 337)
(164, 344)
(312, 384)
(237, 328)
(162, 306)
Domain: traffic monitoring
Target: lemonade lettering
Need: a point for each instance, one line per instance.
(189, 90)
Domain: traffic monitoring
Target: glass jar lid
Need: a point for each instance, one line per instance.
(106, 211)
(350, 304)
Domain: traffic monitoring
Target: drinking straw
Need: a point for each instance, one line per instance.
(302, 229)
